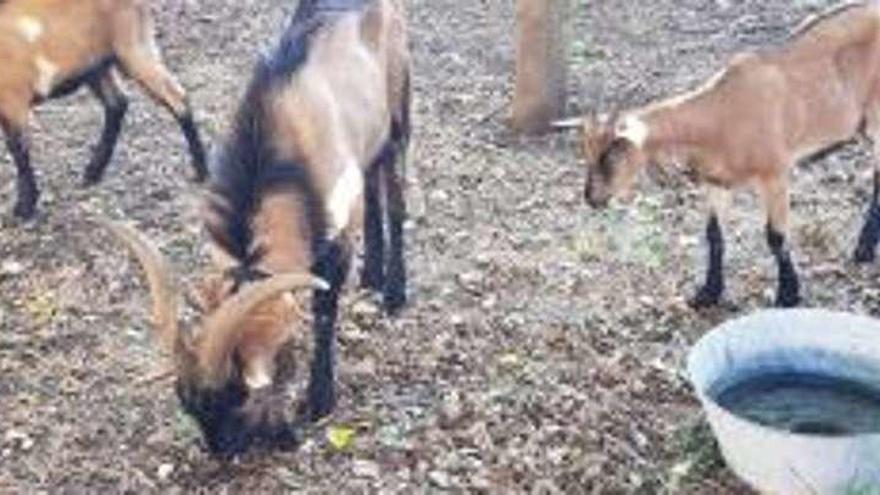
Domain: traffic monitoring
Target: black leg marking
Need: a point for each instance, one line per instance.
(115, 106)
(19, 147)
(332, 265)
(870, 236)
(401, 128)
(194, 141)
(788, 293)
(373, 276)
(710, 293)
(395, 283)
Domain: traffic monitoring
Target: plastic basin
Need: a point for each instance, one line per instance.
(805, 341)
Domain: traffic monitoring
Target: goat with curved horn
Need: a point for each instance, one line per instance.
(204, 362)
(280, 220)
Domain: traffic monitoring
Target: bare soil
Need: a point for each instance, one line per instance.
(543, 348)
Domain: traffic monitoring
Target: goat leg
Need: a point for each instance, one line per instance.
(106, 88)
(395, 283)
(146, 68)
(332, 265)
(373, 275)
(194, 142)
(870, 236)
(19, 146)
(788, 293)
(775, 195)
(710, 293)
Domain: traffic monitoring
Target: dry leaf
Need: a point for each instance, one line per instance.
(340, 437)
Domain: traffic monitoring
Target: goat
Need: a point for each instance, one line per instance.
(317, 138)
(748, 126)
(51, 48)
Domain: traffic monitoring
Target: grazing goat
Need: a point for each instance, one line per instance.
(749, 125)
(322, 126)
(51, 48)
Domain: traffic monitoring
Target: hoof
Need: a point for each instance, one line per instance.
(25, 210)
(394, 303)
(372, 281)
(789, 300)
(864, 254)
(313, 413)
(91, 178)
(200, 175)
(705, 298)
(319, 405)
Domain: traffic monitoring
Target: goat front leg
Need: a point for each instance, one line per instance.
(108, 90)
(776, 200)
(18, 143)
(332, 264)
(710, 293)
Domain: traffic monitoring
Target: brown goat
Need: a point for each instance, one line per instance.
(51, 48)
(323, 122)
(749, 125)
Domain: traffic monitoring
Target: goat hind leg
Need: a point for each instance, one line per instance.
(146, 67)
(18, 143)
(106, 88)
(395, 177)
(395, 277)
(870, 234)
(776, 200)
(373, 275)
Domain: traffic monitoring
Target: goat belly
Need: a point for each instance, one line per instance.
(71, 83)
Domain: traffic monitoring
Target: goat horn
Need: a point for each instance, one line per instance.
(568, 123)
(222, 330)
(162, 288)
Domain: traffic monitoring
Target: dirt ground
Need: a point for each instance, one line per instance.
(543, 348)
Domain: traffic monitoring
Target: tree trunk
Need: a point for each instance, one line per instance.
(541, 64)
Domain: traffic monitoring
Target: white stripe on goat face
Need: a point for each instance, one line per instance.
(633, 129)
(346, 191)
